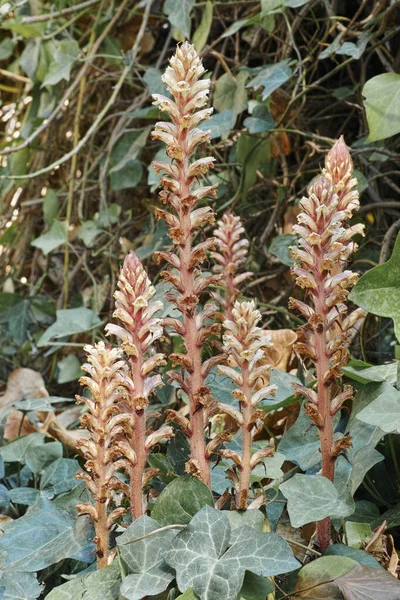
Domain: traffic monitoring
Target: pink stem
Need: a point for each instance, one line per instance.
(247, 411)
(197, 440)
(324, 398)
(139, 438)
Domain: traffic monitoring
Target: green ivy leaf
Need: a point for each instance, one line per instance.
(21, 586)
(39, 457)
(319, 575)
(180, 500)
(148, 574)
(16, 450)
(260, 121)
(219, 123)
(178, 14)
(255, 587)
(69, 369)
(325, 499)
(382, 103)
(384, 411)
(55, 237)
(100, 585)
(42, 537)
(200, 36)
(204, 561)
(65, 56)
(240, 24)
(280, 248)
(268, 6)
(188, 595)
(366, 583)
(271, 78)
(363, 373)
(50, 206)
(69, 321)
(300, 444)
(378, 291)
(360, 556)
(357, 533)
(59, 477)
(230, 93)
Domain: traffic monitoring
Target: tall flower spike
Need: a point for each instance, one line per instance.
(138, 332)
(230, 256)
(182, 194)
(103, 450)
(246, 343)
(325, 240)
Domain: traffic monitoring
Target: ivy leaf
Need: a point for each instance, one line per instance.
(316, 580)
(378, 290)
(384, 411)
(181, 500)
(219, 123)
(70, 321)
(148, 573)
(42, 537)
(251, 518)
(325, 499)
(178, 14)
(16, 450)
(56, 236)
(268, 6)
(200, 36)
(260, 121)
(364, 373)
(300, 444)
(366, 583)
(230, 93)
(280, 248)
(100, 585)
(65, 56)
(188, 595)
(255, 587)
(382, 103)
(21, 586)
(59, 477)
(41, 456)
(271, 78)
(360, 556)
(202, 559)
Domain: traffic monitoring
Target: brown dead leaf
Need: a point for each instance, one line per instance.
(23, 384)
(278, 355)
(290, 218)
(17, 424)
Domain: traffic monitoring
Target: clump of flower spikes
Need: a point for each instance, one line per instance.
(181, 193)
(245, 344)
(104, 451)
(231, 254)
(325, 241)
(138, 332)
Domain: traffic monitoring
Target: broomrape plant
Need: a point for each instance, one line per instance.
(182, 194)
(325, 245)
(122, 380)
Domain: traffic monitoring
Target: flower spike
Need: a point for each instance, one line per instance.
(325, 241)
(245, 343)
(108, 429)
(230, 256)
(181, 194)
(138, 331)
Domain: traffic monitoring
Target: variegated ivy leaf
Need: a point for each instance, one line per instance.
(204, 560)
(148, 573)
(100, 585)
